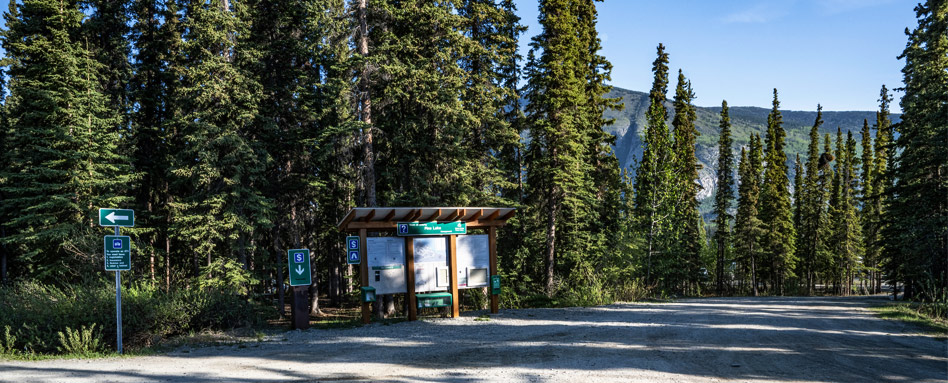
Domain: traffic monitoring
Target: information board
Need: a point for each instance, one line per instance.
(385, 257)
(473, 261)
(431, 264)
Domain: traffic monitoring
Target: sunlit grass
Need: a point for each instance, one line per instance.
(908, 312)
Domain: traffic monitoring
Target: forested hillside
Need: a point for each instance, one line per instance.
(745, 120)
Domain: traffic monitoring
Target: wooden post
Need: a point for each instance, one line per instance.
(492, 246)
(364, 276)
(410, 267)
(453, 274)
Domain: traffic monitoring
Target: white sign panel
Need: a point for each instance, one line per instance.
(386, 264)
(473, 261)
(431, 264)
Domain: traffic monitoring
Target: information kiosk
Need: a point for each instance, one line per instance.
(434, 252)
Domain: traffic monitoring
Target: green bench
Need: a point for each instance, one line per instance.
(433, 300)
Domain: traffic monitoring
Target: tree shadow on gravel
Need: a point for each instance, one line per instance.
(775, 339)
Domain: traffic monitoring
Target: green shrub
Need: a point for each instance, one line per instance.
(37, 314)
(8, 343)
(83, 341)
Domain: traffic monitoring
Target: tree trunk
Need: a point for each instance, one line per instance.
(365, 108)
(281, 302)
(551, 241)
(753, 272)
(314, 297)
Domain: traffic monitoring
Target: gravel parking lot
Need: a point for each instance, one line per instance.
(700, 340)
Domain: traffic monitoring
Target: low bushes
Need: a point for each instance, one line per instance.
(80, 319)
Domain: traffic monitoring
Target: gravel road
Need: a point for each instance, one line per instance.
(699, 340)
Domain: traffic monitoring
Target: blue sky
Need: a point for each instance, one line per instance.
(834, 52)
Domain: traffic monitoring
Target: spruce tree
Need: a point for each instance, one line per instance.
(747, 225)
(655, 175)
(220, 163)
(812, 201)
(723, 195)
(566, 96)
(876, 201)
(866, 183)
(106, 32)
(916, 213)
(156, 36)
(62, 158)
(775, 206)
(689, 243)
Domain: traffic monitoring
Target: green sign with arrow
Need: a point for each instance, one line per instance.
(300, 274)
(117, 217)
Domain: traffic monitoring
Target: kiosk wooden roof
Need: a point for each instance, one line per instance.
(375, 219)
(385, 218)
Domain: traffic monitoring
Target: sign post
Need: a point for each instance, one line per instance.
(117, 251)
(300, 278)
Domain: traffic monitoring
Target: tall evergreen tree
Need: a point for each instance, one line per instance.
(916, 215)
(566, 99)
(870, 259)
(156, 36)
(811, 205)
(689, 242)
(723, 196)
(875, 202)
(107, 34)
(654, 178)
(219, 164)
(775, 207)
(748, 227)
(62, 158)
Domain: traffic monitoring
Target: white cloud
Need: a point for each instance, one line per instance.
(762, 12)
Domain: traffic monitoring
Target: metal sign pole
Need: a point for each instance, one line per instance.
(118, 304)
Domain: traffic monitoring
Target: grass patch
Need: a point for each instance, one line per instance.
(910, 313)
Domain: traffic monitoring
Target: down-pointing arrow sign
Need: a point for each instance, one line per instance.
(299, 267)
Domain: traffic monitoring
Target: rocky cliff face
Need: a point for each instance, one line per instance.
(630, 124)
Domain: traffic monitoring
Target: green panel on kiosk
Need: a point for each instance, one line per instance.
(368, 294)
(495, 284)
(433, 300)
(410, 229)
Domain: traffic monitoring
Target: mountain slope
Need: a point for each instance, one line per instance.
(630, 123)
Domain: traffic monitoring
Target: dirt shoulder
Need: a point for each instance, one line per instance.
(700, 340)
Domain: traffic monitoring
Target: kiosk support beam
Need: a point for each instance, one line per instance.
(410, 269)
(492, 246)
(364, 276)
(453, 274)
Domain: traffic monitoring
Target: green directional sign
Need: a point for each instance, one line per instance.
(117, 217)
(300, 274)
(118, 253)
(408, 229)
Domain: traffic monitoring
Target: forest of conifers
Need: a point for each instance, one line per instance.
(238, 129)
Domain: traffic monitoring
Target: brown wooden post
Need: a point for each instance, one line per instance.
(364, 276)
(492, 246)
(410, 266)
(453, 274)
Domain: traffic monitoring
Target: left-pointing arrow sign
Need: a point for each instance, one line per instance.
(112, 217)
(117, 217)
